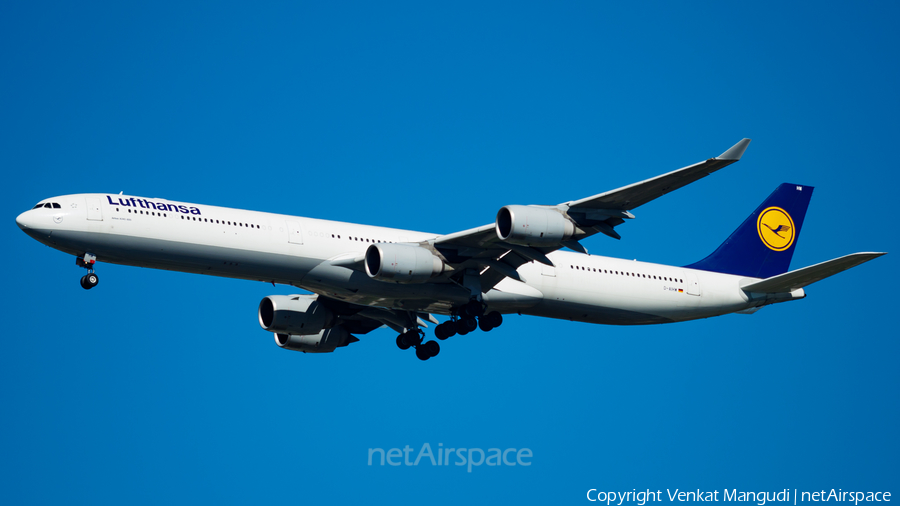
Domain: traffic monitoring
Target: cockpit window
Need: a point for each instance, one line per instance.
(48, 206)
(38, 206)
(56, 206)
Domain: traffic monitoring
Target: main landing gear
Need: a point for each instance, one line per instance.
(463, 319)
(90, 279)
(467, 319)
(413, 339)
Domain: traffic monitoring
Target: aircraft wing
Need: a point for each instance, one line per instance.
(482, 249)
(638, 194)
(790, 281)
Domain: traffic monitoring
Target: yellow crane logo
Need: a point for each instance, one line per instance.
(775, 228)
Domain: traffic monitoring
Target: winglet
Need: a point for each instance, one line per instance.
(735, 152)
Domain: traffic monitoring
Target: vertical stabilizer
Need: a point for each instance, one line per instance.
(764, 243)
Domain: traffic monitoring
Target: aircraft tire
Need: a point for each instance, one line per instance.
(411, 338)
(432, 348)
(465, 325)
(443, 331)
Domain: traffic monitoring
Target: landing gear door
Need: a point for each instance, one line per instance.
(93, 209)
(295, 233)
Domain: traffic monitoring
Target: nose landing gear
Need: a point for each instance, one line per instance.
(90, 279)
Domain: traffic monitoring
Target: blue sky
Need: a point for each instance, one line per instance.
(161, 387)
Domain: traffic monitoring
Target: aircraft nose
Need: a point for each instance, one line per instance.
(23, 220)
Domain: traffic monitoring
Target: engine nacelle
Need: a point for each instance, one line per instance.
(298, 315)
(402, 263)
(324, 342)
(532, 226)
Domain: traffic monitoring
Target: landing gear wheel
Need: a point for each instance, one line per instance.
(89, 281)
(411, 338)
(445, 330)
(465, 325)
(494, 319)
(432, 348)
(401, 343)
(422, 353)
(484, 324)
(474, 308)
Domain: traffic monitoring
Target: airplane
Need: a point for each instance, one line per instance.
(362, 277)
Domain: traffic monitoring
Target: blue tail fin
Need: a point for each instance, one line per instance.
(763, 245)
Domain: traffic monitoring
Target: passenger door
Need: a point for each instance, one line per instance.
(295, 233)
(93, 209)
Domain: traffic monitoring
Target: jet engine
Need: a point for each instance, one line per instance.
(532, 226)
(402, 263)
(324, 342)
(298, 315)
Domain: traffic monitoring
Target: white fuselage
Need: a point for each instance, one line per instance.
(299, 251)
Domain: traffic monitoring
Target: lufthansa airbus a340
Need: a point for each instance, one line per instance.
(364, 277)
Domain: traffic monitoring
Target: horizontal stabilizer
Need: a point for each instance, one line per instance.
(793, 280)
